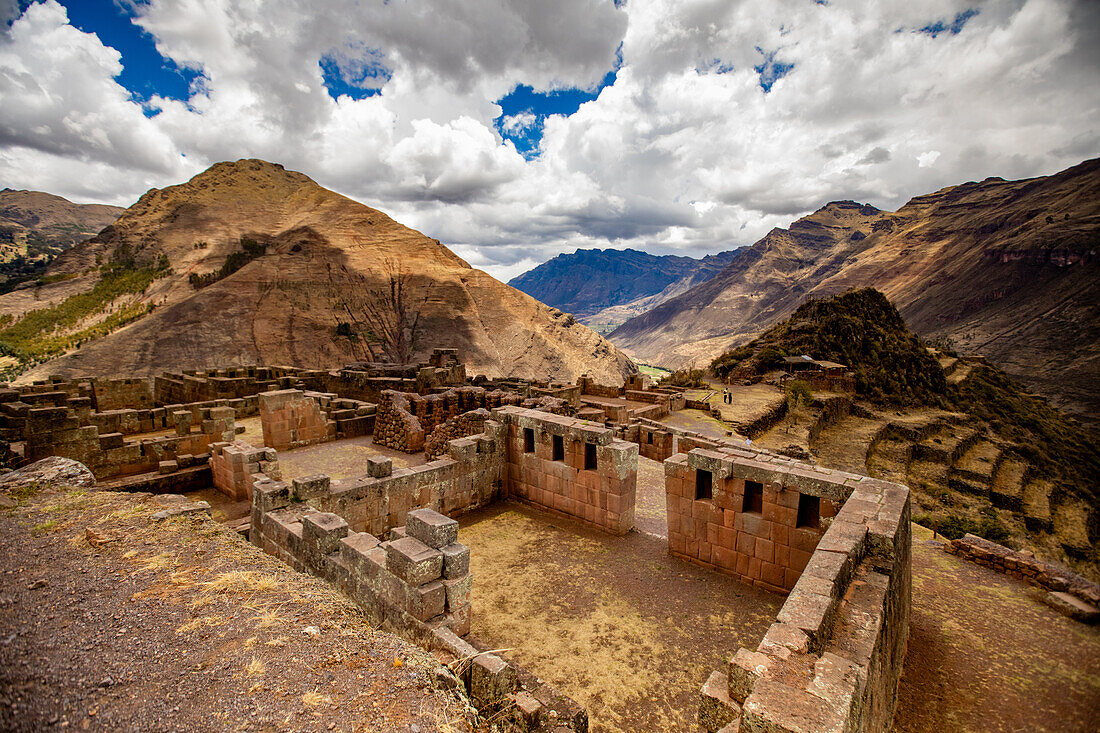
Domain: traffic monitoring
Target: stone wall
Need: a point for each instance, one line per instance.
(590, 387)
(234, 467)
(217, 384)
(416, 584)
(758, 537)
(460, 426)
(57, 431)
(116, 394)
(291, 419)
(833, 657)
(571, 467)
(404, 420)
(1026, 567)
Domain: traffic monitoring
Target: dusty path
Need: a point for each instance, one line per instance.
(180, 625)
(614, 622)
(986, 656)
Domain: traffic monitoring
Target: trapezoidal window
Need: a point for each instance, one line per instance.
(558, 443)
(589, 456)
(754, 498)
(704, 484)
(809, 511)
(528, 440)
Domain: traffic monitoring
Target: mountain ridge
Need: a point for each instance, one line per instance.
(1002, 268)
(602, 286)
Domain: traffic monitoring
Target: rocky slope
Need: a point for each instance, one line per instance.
(1007, 269)
(322, 281)
(36, 225)
(603, 288)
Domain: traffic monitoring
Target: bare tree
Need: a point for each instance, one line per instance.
(390, 315)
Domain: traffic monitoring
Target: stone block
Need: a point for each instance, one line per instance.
(168, 467)
(458, 591)
(413, 561)
(308, 487)
(427, 601)
(324, 531)
(716, 709)
(492, 681)
(379, 466)
(456, 561)
(431, 528)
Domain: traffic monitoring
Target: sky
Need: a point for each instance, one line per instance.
(515, 130)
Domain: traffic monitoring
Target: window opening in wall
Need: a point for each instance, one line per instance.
(559, 448)
(809, 511)
(754, 498)
(704, 484)
(589, 456)
(650, 437)
(528, 440)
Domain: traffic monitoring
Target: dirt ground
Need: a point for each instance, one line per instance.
(614, 622)
(181, 625)
(986, 656)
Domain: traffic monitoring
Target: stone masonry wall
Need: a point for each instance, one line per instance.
(602, 494)
(57, 431)
(291, 418)
(416, 584)
(590, 387)
(404, 420)
(764, 545)
(470, 476)
(235, 466)
(833, 657)
(115, 394)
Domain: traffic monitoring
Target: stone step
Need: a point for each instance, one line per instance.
(1072, 606)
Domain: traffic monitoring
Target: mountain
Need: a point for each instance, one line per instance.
(603, 288)
(36, 225)
(250, 263)
(1005, 269)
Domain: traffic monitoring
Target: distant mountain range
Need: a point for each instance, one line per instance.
(36, 226)
(603, 288)
(250, 263)
(1005, 269)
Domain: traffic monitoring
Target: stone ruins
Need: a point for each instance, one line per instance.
(836, 545)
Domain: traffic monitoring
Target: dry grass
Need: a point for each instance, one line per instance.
(241, 582)
(313, 699)
(255, 668)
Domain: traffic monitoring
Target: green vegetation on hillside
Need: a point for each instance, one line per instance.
(250, 250)
(859, 328)
(46, 332)
(1046, 436)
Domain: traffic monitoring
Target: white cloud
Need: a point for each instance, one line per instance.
(685, 152)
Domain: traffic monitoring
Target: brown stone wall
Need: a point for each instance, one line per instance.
(590, 387)
(117, 394)
(56, 431)
(468, 477)
(460, 426)
(602, 496)
(763, 547)
(292, 418)
(833, 657)
(234, 467)
(404, 420)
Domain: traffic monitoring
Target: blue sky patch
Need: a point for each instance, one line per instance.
(523, 111)
(953, 28)
(770, 70)
(356, 77)
(145, 72)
